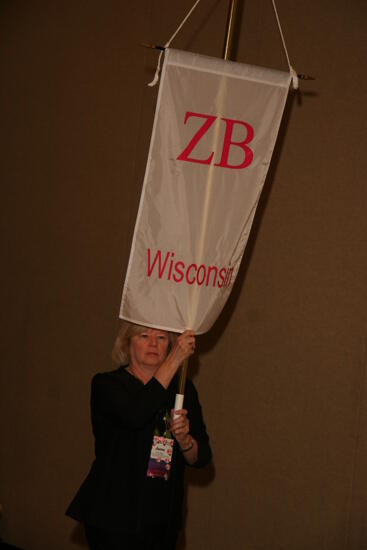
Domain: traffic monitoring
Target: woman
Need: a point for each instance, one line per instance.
(132, 497)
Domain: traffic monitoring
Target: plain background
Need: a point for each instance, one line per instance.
(282, 374)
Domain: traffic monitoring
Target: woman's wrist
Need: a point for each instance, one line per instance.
(190, 453)
(188, 445)
(166, 372)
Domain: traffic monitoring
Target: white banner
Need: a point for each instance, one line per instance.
(214, 132)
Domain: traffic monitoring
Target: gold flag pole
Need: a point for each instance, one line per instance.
(231, 17)
(230, 25)
(183, 376)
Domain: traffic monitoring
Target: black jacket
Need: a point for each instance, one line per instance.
(117, 494)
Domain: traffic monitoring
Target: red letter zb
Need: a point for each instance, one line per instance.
(243, 144)
(197, 137)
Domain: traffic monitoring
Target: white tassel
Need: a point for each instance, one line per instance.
(295, 80)
(157, 71)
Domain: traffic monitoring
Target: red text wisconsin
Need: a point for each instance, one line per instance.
(166, 266)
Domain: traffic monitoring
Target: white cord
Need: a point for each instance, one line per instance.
(167, 44)
(291, 69)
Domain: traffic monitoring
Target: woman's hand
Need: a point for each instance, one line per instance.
(180, 427)
(181, 350)
(183, 347)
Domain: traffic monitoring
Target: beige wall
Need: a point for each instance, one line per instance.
(282, 374)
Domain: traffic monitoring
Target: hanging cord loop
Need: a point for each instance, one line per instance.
(291, 69)
(295, 82)
(168, 43)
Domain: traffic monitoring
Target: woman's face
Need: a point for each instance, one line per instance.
(149, 349)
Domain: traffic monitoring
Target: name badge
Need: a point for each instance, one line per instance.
(160, 457)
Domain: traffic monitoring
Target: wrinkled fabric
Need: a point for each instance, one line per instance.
(214, 132)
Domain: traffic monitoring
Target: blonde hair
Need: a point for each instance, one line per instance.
(121, 348)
